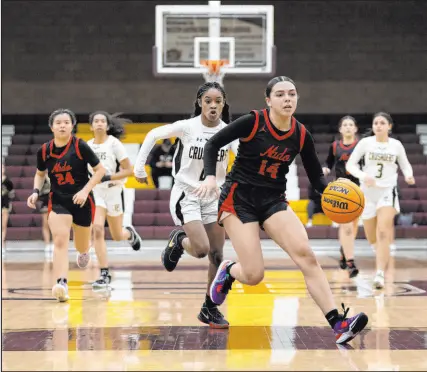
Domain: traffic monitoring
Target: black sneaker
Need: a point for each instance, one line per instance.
(135, 240)
(343, 262)
(353, 271)
(103, 282)
(212, 317)
(173, 251)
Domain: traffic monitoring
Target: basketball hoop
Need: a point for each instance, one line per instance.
(213, 72)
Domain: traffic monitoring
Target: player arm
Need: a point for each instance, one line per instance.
(98, 169)
(312, 165)
(166, 131)
(40, 172)
(126, 168)
(240, 128)
(402, 160)
(353, 163)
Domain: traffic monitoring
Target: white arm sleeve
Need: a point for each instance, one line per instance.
(403, 162)
(352, 165)
(166, 131)
(119, 151)
(235, 146)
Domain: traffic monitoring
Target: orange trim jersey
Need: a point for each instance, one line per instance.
(338, 156)
(67, 166)
(265, 153)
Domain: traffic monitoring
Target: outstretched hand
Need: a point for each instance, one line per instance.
(207, 188)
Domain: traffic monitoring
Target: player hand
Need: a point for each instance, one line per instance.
(207, 188)
(326, 171)
(410, 180)
(369, 181)
(32, 199)
(80, 198)
(142, 180)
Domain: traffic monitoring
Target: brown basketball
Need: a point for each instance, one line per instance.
(343, 201)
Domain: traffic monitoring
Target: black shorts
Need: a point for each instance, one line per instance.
(43, 203)
(82, 216)
(250, 203)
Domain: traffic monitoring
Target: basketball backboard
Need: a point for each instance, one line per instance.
(187, 35)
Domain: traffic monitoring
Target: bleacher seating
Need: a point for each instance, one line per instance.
(151, 215)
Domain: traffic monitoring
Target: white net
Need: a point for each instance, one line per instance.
(213, 71)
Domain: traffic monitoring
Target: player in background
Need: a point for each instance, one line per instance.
(201, 236)
(106, 145)
(339, 153)
(254, 196)
(65, 158)
(381, 156)
(7, 195)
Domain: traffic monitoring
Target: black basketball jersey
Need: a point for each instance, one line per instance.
(340, 154)
(67, 166)
(265, 155)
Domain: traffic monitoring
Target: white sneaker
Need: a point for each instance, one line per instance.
(83, 260)
(60, 292)
(379, 280)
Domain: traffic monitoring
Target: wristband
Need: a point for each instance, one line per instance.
(36, 191)
(106, 178)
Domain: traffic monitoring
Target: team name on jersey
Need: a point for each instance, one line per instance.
(272, 153)
(196, 152)
(101, 155)
(58, 168)
(382, 157)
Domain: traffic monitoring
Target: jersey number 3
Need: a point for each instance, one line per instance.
(272, 169)
(64, 179)
(380, 170)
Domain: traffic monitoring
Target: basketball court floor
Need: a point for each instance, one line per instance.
(148, 321)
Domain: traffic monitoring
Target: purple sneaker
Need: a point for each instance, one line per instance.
(348, 328)
(221, 283)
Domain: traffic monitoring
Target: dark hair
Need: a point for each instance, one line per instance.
(114, 121)
(387, 116)
(61, 111)
(226, 116)
(274, 81)
(347, 117)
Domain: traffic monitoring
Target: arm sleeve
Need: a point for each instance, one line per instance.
(119, 151)
(240, 128)
(41, 164)
(403, 162)
(330, 160)
(312, 165)
(88, 154)
(352, 165)
(166, 131)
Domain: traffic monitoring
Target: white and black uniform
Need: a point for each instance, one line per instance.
(108, 195)
(380, 161)
(188, 167)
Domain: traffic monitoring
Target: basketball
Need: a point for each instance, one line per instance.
(343, 201)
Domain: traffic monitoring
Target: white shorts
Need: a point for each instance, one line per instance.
(378, 197)
(186, 207)
(109, 199)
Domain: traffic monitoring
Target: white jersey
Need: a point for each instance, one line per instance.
(188, 158)
(110, 154)
(380, 161)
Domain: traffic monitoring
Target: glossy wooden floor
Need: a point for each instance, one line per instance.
(149, 320)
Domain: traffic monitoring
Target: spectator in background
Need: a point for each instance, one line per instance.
(160, 161)
(314, 206)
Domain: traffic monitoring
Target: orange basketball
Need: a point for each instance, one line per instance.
(343, 201)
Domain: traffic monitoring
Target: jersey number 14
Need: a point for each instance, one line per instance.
(272, 169)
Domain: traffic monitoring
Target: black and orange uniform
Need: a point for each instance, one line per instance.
(68, 173)
(338, 156)
(7, 194)
(255, 188)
